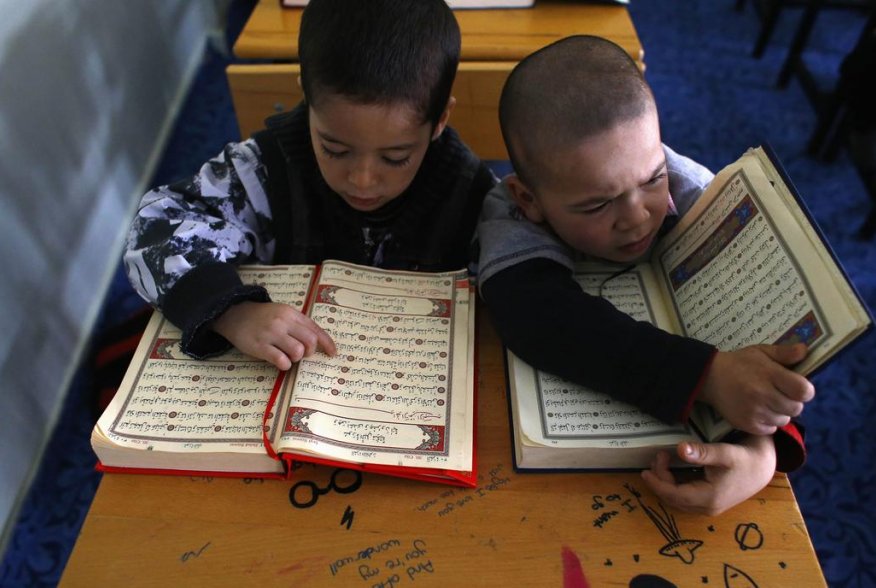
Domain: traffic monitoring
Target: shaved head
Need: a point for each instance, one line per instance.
(563, 94)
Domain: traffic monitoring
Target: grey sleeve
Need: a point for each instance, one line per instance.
(687, 179)
(219, 215)
(507, 238)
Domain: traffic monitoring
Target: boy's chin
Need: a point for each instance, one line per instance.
(615, 256)
(367, 204)
(364, 204)
(621, 259)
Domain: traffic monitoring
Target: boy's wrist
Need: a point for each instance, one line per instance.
(199, 298)
(226, 322)
(700, 393)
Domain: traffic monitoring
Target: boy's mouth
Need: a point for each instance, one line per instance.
(638, 247)
(359, 202)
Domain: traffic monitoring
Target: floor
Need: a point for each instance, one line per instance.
(714, 101)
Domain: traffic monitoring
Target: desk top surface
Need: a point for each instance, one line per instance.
(487, 35)
(570, 529)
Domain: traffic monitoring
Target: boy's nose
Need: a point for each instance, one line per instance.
(632, 213)
(362, 176)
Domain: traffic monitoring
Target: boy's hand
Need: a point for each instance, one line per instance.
(274, 332)
(754, 391)
(733, 473)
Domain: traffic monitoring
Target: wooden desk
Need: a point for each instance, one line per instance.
(512, 530)
(493, 41)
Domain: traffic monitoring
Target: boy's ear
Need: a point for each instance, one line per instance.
(445, 116)
(525, 199)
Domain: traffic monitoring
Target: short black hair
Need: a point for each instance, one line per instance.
(380, 52)
(566, 92)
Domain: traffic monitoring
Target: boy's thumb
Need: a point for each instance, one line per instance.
(695, 453)
(787, 355)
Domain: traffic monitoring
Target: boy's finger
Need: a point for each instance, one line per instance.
(787, 355)
(277, 357)
(781, 405)
(324, 340)
(292, 347)
(658, 485)
(761, 428)
(704, 454)
(306, 336)
(794, 386)
(686, 497)
(660, 467)
(779, 420)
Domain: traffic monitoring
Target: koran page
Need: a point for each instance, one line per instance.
(400, 390)
(171, 403)
(557, 413)
(740, 270)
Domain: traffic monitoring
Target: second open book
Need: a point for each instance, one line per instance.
(743, 266)
(398, 398)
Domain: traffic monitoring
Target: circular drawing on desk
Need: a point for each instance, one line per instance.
(748, 536)
(305, 493)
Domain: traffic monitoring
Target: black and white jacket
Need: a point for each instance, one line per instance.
(263, 200)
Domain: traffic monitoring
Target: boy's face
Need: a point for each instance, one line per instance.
(608, 197)
(369, 153)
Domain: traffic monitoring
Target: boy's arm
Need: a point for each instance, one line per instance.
(186, 236)
(732, 473)
(545, 318)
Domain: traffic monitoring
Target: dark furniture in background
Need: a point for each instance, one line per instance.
(846, 111)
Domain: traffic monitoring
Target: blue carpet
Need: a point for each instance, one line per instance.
(714, 102)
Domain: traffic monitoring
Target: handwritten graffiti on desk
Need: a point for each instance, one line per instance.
(192, 554)
(451, 500)
(601, 502)
(305, 493)
(388, 564)
(678, 547)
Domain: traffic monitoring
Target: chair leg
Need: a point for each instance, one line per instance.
(770, 18)
(868, 229)
(799, 42)
(825, 140)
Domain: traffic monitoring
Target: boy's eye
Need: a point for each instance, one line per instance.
(331, 153)
(596, 208)
(656, 179)
(397, 162)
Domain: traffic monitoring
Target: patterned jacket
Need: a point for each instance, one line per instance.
(264, 200)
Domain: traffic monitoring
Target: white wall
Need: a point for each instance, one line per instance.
(88, 90)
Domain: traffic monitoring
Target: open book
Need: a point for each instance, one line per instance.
(745, 265)
(398, 398)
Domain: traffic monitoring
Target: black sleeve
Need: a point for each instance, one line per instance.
(199, 298)
(544, 317)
